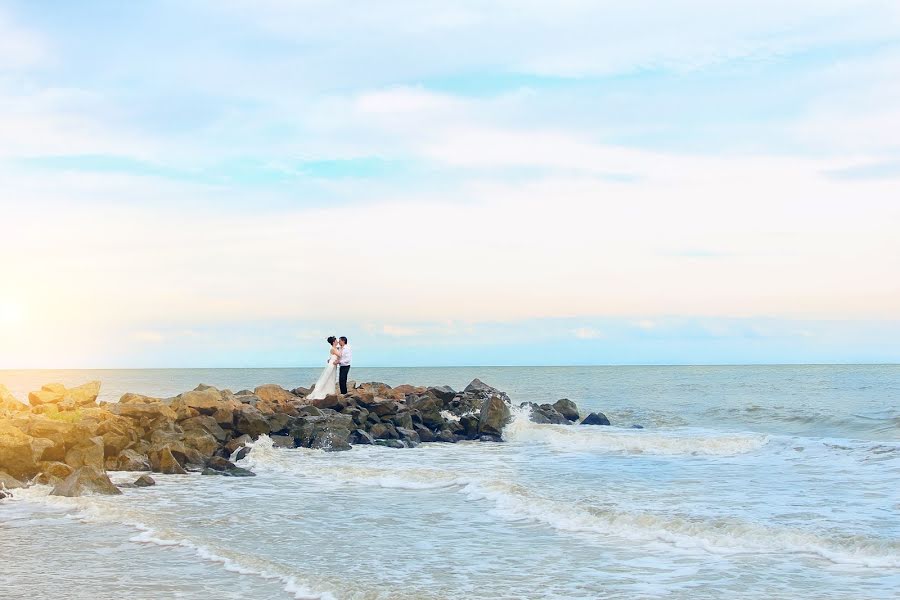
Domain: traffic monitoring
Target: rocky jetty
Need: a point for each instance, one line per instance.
(64, 438)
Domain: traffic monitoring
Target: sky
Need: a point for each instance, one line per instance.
(226, 183)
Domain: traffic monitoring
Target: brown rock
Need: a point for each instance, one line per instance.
(20, 453)
(207, 424)
(53, 472)
(84, 395)
(495, 414)
(206, 402)
(89, 454)
(274, 393)
(201, 441)
(131, 460)
(9, 403)
(8, 482)
(249, 420)
(86, 480)
(164, 461)
(237, 443)
(45, 396)
(144, 481)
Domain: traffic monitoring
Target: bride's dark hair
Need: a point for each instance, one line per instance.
(331, 339)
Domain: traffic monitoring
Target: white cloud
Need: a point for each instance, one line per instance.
(400, 331)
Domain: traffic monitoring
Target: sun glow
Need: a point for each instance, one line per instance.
(11, 313)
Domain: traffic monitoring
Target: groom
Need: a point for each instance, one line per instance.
(346, 357)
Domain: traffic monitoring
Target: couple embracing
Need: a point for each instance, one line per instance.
(338, 367)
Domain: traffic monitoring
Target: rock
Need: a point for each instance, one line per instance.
(595, 419)
(384, 431)
(567, 409)
(280, 423)
(636, 426)
(52, 472)
(332, 401)
(10, 403)
(8, 482)
(144, 481)
(44, 396)
(84, 395)
(310, 411)
(205, 423)
(249, 420)
(301, 391)
(445, 435)
(283, 441)
(429, 410)
(384, 408)
(238, 443)
(425, 434)
(468, 426)
(479, 387)
(86, 480)
(163, 461)
(20, 453)
(221, 466)
(331, 440)
(409, 436)
(274, 393)
(443, 392)
(402, 419)
(4, 494)
(495, 415)
(206, 402)
(545, 413)
(201, 441)
(146, 412)
(131, 460)
(361, 436)
(390, 443)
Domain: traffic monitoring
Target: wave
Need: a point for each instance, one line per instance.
(95, 509)
(576, 438)
(720, 536)
(723, 536)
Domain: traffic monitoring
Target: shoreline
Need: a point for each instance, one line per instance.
(64, 438)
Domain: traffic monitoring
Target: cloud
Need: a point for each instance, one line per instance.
(400, 331)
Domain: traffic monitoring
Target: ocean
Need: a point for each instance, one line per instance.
(743, 482)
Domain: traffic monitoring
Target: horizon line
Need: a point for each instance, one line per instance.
(532, 366)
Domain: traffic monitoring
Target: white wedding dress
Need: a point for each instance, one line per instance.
(327, 381)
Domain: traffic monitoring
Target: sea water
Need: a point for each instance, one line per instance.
(744, 482)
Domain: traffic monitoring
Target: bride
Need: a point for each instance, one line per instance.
(328, 379)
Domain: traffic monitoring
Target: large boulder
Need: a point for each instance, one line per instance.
(84, 395)
(86, 480)
(131, 460)
(89, 454)
(201, 441)
(567, 408)
(20, 453)
(205, 423)
(595, 418)
(249, 420)
(443, 392)
(273, 393)
(546, 414)
(206, 401)
(331, 440)
(477, 386)
(495, 414)
(163, 461)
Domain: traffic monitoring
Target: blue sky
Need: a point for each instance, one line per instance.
(225, 183)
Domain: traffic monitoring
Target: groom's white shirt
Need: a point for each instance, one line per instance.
(346, 356)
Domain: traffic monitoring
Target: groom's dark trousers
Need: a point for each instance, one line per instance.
(345, 369)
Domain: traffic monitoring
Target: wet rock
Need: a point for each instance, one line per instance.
(595, 418)
(237, 443)
(221, 466)
(91, 453)
(479, 387)
(9, 482)
(86, 480)
(331, 440)
(545, 413)
(163, 461)
(390, 443)
(636, 426)
(283, 441)
(425, 434)
(466, 426)
(53, 472)
(445, 435)
(495, 415)
(409, 436)
(567, 409)
(144, 481)
(362, 437)
(280, 423)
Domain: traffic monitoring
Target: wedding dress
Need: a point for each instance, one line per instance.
(327, 381)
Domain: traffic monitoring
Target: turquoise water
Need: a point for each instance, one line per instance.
(746, 482)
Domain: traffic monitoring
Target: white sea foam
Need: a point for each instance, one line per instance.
(716, 536)
(580, 438)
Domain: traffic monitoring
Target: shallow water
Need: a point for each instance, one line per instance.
(746, 482)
